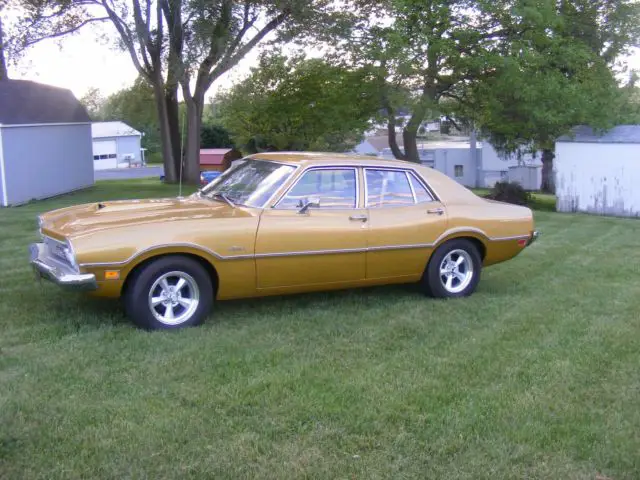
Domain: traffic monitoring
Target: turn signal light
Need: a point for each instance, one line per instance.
(112, 275)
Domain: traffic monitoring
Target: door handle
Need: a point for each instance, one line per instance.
(436, 211)
(361, 218)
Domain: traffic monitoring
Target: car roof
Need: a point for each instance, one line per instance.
(324, 158)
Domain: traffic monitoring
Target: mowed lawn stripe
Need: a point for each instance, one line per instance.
(536, 375)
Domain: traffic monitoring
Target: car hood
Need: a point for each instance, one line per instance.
(93, 217)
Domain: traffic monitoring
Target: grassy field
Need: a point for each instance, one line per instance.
(535, 376)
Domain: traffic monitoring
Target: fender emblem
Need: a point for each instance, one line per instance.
(236, 248)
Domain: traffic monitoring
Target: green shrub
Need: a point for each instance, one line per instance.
(510, 192)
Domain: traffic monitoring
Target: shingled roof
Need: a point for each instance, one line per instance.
(619, 134)
(24, 102)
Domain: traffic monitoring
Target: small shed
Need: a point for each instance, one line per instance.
(45, 142)
(115, 145)
(218, 159)
(599, 172)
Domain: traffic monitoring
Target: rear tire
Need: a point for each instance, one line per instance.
(453, 270)
(169, 293)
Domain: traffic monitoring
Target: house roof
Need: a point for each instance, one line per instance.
(23, 102)
(112, 129)
(213, 156)
(619, 134)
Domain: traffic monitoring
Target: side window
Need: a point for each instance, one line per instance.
(388, 188)
(336, 188)
(422, 194)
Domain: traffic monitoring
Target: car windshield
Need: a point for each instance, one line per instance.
(251, 183)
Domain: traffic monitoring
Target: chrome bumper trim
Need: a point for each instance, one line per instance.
(65, 277)
(534, 236)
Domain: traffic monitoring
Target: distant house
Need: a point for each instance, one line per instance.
(475, 166)
(218, 159)
(115, 144)
(373, 145)
(599, 172)
(45, 142)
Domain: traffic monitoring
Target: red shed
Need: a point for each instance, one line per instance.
(218, 158)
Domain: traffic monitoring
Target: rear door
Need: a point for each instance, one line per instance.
(405, 220)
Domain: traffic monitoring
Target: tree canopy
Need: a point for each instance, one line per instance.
(299, 104)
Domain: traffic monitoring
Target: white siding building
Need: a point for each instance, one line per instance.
(115, 145)
(599, 173)
(45, 142)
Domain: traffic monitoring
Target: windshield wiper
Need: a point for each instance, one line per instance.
(224, 197)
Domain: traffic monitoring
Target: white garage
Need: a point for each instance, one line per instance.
(599, 173)
(115, 145)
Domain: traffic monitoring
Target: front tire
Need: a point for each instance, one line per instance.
(169, 293)
(453, 270)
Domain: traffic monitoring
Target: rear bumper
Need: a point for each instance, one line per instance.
(62, 275)
(534, 236)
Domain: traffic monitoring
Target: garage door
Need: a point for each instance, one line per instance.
(105, 154)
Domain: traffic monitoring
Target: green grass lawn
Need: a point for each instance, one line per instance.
(537, 375)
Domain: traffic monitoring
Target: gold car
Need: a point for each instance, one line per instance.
(280, 223)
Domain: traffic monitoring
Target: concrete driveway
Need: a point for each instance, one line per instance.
(126, 173)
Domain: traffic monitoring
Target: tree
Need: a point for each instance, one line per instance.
(299, 104)
(426, 51)
(185, 44)
(215, 136)
(4, 74)
(559, 80)
(94, 102)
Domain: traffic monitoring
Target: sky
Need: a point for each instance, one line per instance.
(86, 61)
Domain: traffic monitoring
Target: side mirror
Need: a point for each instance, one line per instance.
(311, 202)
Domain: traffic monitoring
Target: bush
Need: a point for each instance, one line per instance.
(510, 192)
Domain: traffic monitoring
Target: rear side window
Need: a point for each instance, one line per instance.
(388, 188)
(422, 194)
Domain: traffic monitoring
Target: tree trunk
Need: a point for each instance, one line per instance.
(393, 140)
(4, 74)
(410, 145)
(192, 150)
(173, 119)
(170, 173)
(548, 180)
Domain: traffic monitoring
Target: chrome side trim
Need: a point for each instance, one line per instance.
(307, 252)
(504, 239)
(311, 252)
(401, 247)
(158, 247)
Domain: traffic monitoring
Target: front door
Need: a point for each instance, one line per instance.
(322, 246)
(404, 222)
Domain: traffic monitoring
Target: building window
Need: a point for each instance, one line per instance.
(458, 171)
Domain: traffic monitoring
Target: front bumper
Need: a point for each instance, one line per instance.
(534, 236)
(48, 268)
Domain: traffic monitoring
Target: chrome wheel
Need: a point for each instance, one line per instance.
(456, 271)
(174, 297)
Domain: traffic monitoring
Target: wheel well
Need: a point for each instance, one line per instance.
(482, 249)
(213, 274)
